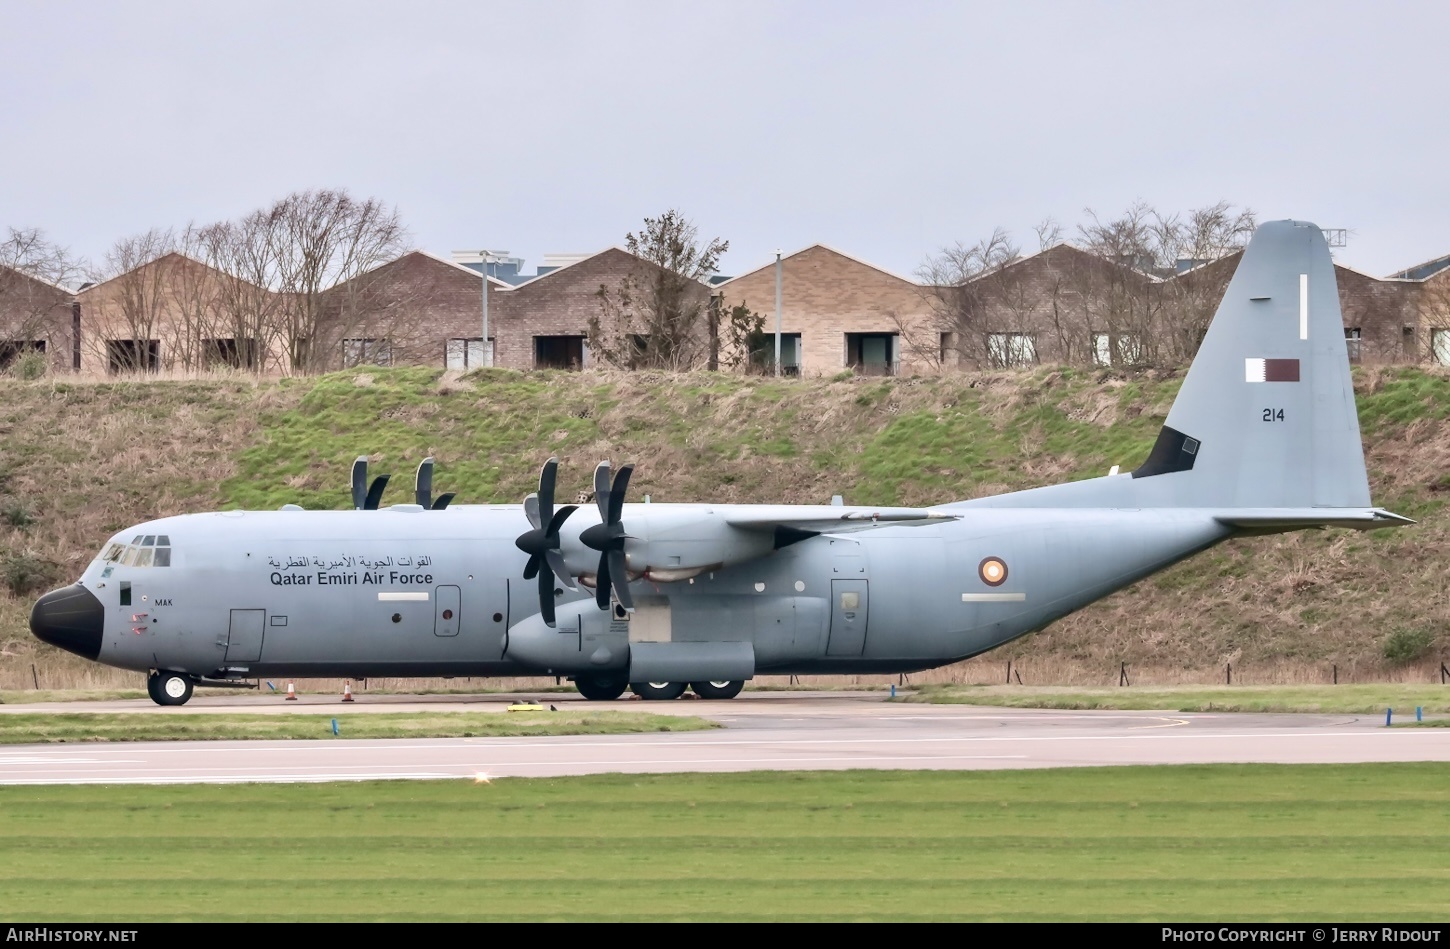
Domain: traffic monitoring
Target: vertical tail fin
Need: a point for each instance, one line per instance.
(1266, 415)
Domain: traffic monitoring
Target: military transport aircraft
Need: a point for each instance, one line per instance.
(1262, 438)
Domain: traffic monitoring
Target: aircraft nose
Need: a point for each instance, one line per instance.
(71, 618)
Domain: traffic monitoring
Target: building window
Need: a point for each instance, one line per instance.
(873, 354)
(1124, 349)
(1440, 346)
(1351, 342)
(468, 353)
(1009, 350)
(13, 349)
(370, 352)
(238, 354)
(133, 355)
(762, 353)
(559, 352)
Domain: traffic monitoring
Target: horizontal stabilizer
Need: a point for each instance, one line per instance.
(1276, 520)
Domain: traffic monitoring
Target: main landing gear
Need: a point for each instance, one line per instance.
(168, 688)
(601, 688)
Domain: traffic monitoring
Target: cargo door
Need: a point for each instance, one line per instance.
(848, 618)
(244, 638)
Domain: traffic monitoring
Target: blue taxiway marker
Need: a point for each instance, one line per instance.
(334, 726)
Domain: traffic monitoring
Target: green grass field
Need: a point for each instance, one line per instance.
(149, 726)
(1348, 699)
(1240, 842)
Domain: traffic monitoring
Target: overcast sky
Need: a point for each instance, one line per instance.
(885, 130)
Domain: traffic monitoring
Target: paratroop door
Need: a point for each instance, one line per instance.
(244, 639)
(848, 618)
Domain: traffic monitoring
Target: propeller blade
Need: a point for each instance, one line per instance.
(375, 493)
(601, 490)
(619, 577)
(443, 501)
(560, 516)
(548, 476)
(601, 583)
(556, 564)
(531, 568)
(359, 481)
(616, 493)
(423, 484)
(531, 511)
(546, 597)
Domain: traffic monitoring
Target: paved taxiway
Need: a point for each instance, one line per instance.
(774, 731)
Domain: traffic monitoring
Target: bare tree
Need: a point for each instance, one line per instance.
(656, 316)
(975, 301)
(247, 312)
(34, 304)
(1153, 307)
(318, 240)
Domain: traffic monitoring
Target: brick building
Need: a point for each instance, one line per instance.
(837, 312)
(37, 316)
(419, 309)
(544, 322)
(175, 312)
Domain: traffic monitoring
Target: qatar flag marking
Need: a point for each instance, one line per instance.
(1271, 370)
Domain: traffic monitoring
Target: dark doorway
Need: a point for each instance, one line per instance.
(238, 354)
(13, 349)
(559, 352)
(872, 354)
(133, 355)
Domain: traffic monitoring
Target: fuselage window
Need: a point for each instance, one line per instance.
(149, 540)
(129, 557)
(163, 557)
(143, 557)
(114, 552)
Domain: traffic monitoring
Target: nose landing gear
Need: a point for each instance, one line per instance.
(168, 688)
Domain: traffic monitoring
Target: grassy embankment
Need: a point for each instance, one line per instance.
(79, 460)
(1238, 842)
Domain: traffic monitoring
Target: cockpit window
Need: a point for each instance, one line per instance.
(150, 550)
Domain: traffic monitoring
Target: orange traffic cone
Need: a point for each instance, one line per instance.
(347, 691)
(291, 692)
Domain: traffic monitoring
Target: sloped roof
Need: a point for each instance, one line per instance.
(154, 261)
(827, 247)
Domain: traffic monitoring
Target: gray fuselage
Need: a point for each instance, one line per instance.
(406, 592)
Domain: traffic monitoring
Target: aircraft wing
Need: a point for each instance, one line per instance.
(830, 518)
(1275, 520)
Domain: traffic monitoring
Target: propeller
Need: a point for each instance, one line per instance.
(608, 537)
(542, 543)
(365, 498)
(423, 488)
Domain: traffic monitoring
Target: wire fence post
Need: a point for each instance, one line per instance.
(1123, 674)
(1228, 673)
